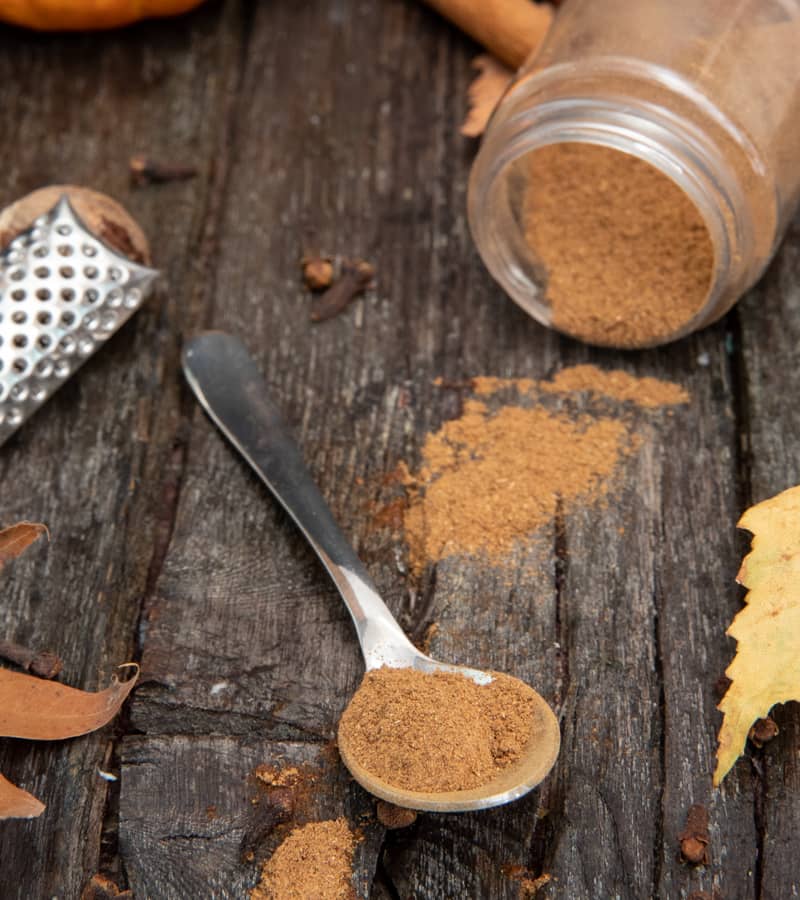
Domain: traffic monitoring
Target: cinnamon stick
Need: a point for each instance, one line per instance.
(510, 29)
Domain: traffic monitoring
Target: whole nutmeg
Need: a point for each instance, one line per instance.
(103, 216)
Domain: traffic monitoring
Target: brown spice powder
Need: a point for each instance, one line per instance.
(436, 731)
(648, 393)
(314, 862)
(626, 255)
(494, 476)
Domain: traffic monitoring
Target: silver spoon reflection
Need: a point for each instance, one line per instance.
(230, 388)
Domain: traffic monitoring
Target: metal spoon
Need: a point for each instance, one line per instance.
(231, 390)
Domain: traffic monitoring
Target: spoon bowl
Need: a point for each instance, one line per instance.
(510, 783)
(230, 388)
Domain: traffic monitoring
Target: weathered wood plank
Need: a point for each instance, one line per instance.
(770, 336)
(696, 561)
(194, 812)
(92, 464)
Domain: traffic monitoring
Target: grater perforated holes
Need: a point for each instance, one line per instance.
(62, 293)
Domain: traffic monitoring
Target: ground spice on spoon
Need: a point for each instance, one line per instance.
(439, 731)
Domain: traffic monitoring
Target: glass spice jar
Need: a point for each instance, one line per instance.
(699, 103)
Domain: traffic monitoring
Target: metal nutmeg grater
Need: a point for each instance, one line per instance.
(63, 293)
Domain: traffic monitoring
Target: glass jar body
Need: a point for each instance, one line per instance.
(707, 95)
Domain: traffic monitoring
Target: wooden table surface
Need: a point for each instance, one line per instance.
(334, 123)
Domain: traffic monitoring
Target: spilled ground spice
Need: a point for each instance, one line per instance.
(626, 257)
(492, 478)
(647, 392)
(499, 472)
(436, 731)
(314, 862)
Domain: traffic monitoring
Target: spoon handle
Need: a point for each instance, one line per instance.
(232, 391)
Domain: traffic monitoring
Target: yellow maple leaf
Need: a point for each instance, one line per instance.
(766, 668)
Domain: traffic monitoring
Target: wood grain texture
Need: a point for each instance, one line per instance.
(333, 125)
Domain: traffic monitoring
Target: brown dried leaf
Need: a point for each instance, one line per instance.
(16, 538)
(46, 710)
(16, 803)
(484, 93)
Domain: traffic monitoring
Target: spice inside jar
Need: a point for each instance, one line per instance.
(705, 94)
(624, 256)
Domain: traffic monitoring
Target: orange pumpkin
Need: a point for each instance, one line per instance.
(82, 15)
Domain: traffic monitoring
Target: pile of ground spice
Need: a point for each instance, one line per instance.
(492, 478)
(314, 862)
(497, 474)
(436, 731)
(627, 258)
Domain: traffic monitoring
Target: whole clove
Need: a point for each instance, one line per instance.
(318, 272)
(356, 276)
(695, 837)
(391, 816)
(763, 731)
(43, 663)
(145, 170)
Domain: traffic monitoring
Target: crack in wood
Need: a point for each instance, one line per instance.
(109, 859)
(383, 881)
(560, 573)
(658, 661)
(743, 461)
